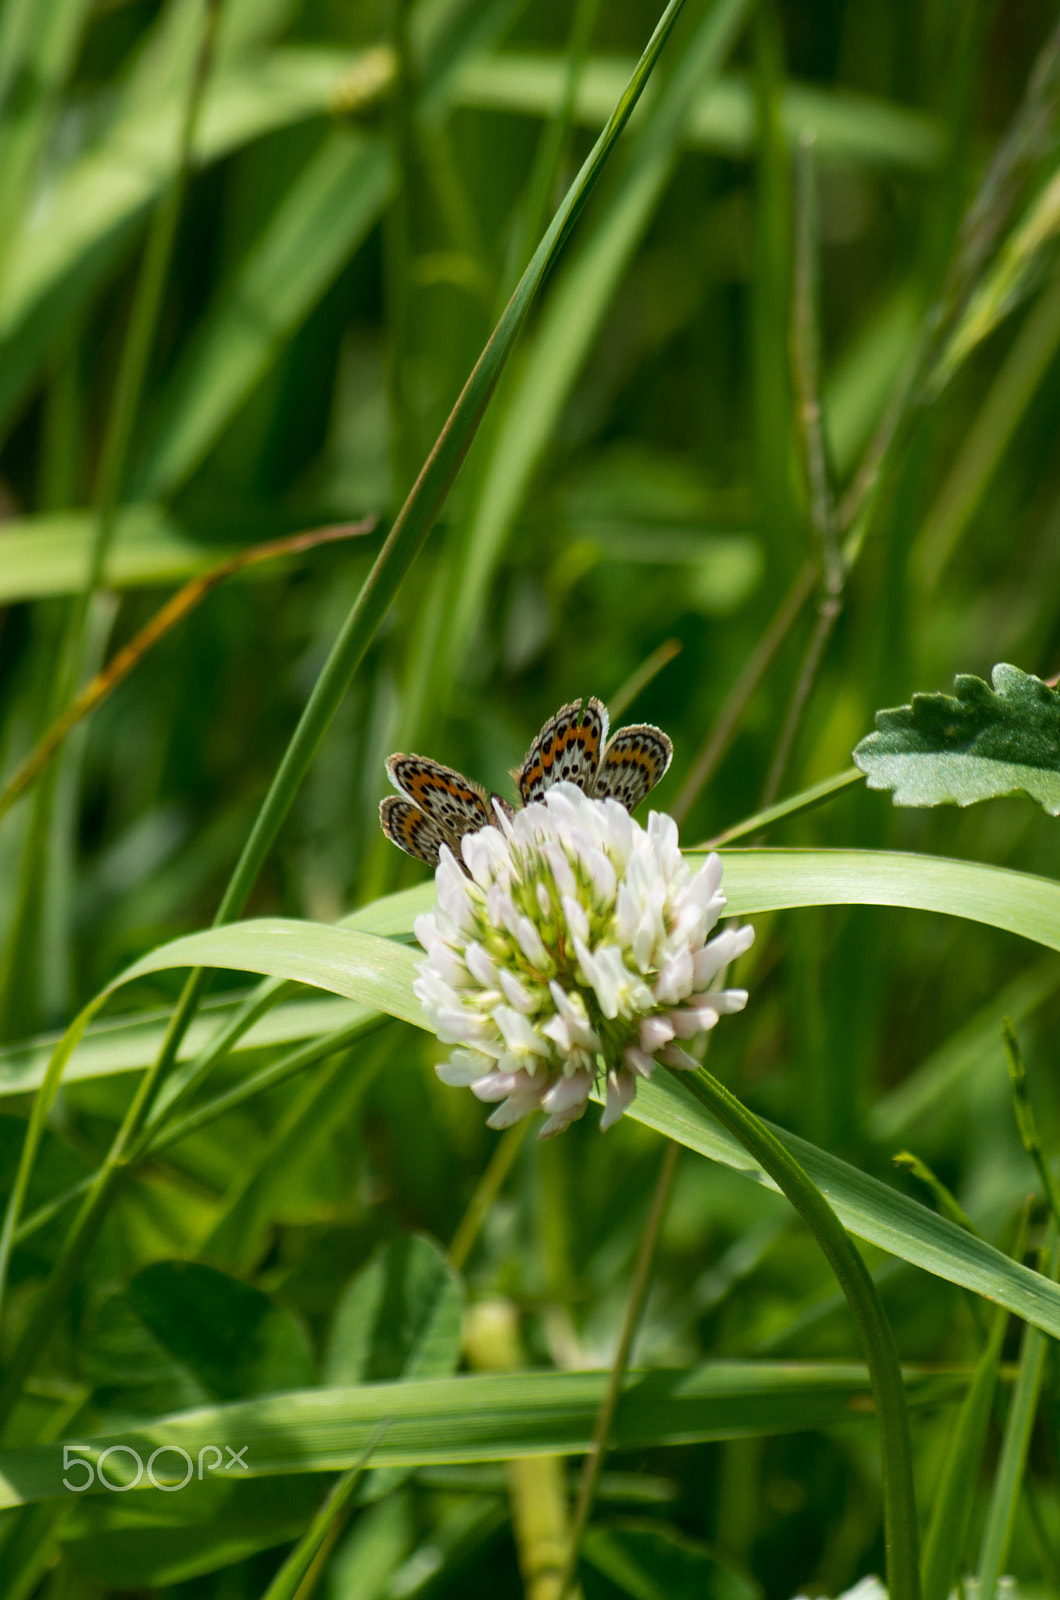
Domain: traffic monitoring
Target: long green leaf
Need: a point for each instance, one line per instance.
(484, 1417)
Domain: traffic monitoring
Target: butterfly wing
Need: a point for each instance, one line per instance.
(448, 801)
(411, 829)
(566, 750)
(633, 763)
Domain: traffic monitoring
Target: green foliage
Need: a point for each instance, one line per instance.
(247, 1248)
(982, 742)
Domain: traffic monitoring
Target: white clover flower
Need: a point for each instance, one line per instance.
(873, 1589)
(573, 948)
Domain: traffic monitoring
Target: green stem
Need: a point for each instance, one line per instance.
(899, 1503)
(486, 1191)
(638, 1293)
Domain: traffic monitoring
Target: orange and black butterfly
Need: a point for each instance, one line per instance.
(435, 805)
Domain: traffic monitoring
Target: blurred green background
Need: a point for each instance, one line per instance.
(367, 185)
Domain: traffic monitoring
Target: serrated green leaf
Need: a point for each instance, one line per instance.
(489, 1417)
(976, 745)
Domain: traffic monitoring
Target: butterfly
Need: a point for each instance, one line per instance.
(436, 805)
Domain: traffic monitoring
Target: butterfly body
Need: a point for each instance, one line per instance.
(436, 805)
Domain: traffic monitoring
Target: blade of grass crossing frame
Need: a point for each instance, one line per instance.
(577, 305)
(489, 1417)
(402, 545)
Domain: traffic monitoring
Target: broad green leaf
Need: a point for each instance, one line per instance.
(372, 1552)
(486, 1417)
(654, 1561)
(399, 1317)
(235, 1339)
(980, 743)
(186, 1324)
(321, 220)
(844, 126)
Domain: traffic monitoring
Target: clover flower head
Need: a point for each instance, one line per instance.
(572, 947)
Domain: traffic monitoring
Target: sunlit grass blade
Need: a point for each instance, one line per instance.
(492, 1418)
(49, 554)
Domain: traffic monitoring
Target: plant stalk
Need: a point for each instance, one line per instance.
(877, 1340)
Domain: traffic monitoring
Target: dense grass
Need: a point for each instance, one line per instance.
(244, 279)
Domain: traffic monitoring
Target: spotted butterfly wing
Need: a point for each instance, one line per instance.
(435, 805)
(411, 829)
(567, 750)
(632, 764)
